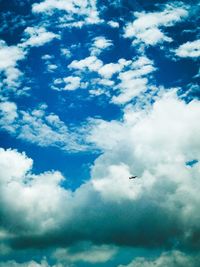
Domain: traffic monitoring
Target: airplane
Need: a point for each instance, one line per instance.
(132, 177)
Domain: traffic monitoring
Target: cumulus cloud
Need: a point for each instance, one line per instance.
(100, 44)
(69, 83)
(37, 36)
(109, 69)
(189, 49)
(128, 78)
(9, 58)
(159, 209)
(35, 198)
(147, 27)
(134, 80)
(8, 114)
(86, 10)
(91, 63)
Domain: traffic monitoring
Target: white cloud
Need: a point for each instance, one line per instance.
(132, 76)
(129, 89)
(39, 127)
(72, 83)
(173, 258)
(134, 80)
(86, 253)
(69, 83)
(100, 44)
(161, 205)
(189, 49)
(91, 63)
(86, 10)
(149, 147)
(113, 24)
(8, 114)
(51, 67)
(38, 197)
(109, 69)
(66, 52)
(28, 264)
(9, 57)
(37, 36)
(147, 26)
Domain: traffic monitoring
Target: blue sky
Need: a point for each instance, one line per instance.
(93, 92)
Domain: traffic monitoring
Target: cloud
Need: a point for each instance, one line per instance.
(130, 89)
(113, 24)
(91, 63)
(159, 209)
(134, 80)
(189, 49)
(100, 44)
(147, 27)
(29, 201)
(86, 10)
(9, 58)
(109, 69)
(38, 127)
(69, 83)
(169, 259)
(85, 252)
(131, 78)
(8, 113)
(43, 263)
(37, 36)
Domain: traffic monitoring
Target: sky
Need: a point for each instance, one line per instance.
(91, 93)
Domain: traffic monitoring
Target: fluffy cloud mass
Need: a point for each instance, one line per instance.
(147, 27)
(86, 10)
(164, 200)
(9, 57)
(189, 49)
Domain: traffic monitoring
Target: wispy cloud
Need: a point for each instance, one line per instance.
(39, 127)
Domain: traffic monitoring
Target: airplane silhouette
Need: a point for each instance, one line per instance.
(132, 177)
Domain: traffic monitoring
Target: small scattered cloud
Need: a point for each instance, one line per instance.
(9, 58)
(69, 83)
(134, 80)
(37, 36)
(189, 49)
(100, 44)
(113, 24)
(91, 63)
(39, 127)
